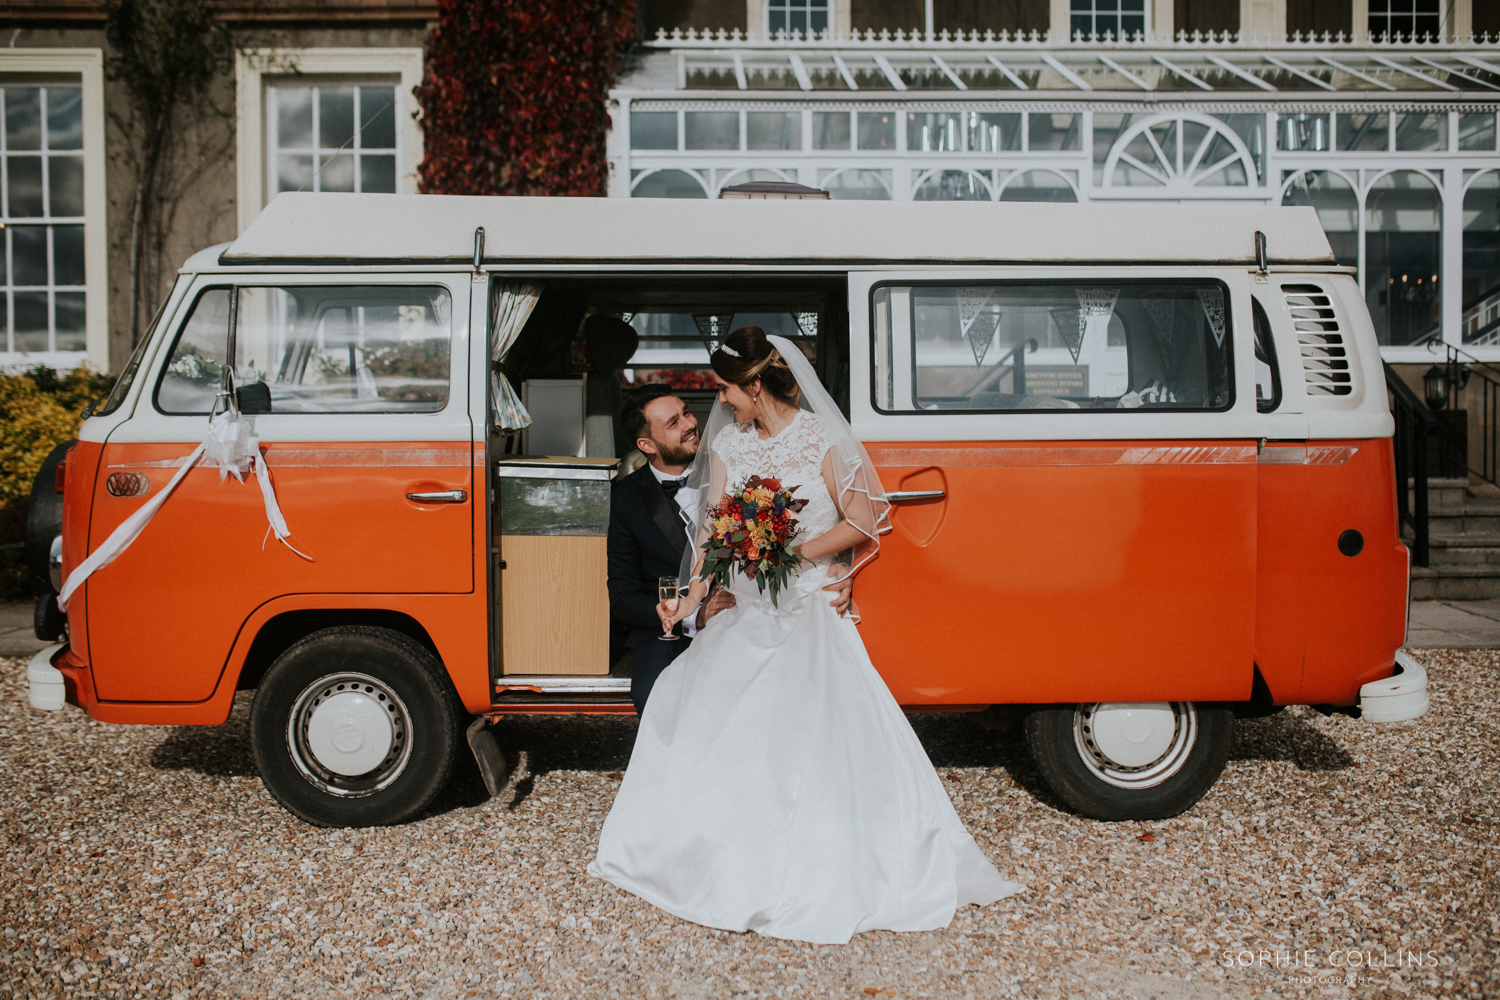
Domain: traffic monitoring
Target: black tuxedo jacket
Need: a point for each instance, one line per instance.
(646, 539)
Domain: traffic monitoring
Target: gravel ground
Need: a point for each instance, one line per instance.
(149, 862)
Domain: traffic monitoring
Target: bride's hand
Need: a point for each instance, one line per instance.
(686, 606)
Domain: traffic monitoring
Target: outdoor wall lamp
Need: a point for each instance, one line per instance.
(1435, 387)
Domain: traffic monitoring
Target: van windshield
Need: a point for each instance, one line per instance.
(315, 349)
(127, 376)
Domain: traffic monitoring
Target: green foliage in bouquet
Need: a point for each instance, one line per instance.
(750, 529)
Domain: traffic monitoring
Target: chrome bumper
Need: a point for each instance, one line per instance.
(1397, 698)
(45, 682)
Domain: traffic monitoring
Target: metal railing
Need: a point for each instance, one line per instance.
(1480, 323)
(1415, 425)
(1460, 368)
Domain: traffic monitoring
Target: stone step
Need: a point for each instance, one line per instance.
(1479, 539)
(1471, 519)
(1463, 555)
(1443, 493)
(1455, 583)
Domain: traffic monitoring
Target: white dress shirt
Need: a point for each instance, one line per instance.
(686, 499)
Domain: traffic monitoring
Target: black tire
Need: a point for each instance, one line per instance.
(330, 671)
(44, 521)
(1062, 741)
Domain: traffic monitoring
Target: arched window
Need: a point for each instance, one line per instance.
(1481, 288)
(669, 184)
(952, 185)
(1038, 185)
(1403, 254)
(1338, 209)
(756, 175)
(857, 185)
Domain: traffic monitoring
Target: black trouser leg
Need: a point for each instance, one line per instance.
(647, 661)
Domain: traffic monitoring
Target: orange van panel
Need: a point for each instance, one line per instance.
(162, 618)
(1281, 570)
(78, 500)
(1356, 606)
(455, 623)
(1059, 572)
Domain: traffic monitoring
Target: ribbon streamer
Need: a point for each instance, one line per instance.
(232, 447)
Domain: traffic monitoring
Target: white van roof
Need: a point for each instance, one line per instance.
(313, 229)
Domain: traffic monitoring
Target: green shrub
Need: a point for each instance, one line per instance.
(37, 411)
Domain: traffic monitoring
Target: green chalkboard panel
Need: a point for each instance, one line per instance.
(554, 506)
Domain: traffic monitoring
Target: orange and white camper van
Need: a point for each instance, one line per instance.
(1140, 459)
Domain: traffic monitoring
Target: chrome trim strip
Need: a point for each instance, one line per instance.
(457, 457)
(1025, 456)
(551, 472)
(549, 684)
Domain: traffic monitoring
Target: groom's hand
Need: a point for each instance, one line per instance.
(843, 590)
(719, 600)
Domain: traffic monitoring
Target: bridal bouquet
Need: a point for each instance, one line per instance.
(749, 529)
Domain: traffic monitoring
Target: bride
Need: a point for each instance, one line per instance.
(775, 784)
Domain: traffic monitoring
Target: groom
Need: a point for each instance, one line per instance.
(648, 533)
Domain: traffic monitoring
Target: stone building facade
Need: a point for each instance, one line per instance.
(1385, 122)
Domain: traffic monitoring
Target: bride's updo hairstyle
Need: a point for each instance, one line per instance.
(746, 355)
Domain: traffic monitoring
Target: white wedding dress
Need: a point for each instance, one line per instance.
(775, 783)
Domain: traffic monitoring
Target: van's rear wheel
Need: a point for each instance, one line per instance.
(355, 726)
(1137, 760)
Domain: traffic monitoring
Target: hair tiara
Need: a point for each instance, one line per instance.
(729, 350)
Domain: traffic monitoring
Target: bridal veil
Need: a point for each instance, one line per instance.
(860, 497)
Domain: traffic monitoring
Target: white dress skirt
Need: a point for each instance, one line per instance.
(776, 785)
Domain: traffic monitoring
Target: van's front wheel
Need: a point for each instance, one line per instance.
(1136, 760)
(355, 726)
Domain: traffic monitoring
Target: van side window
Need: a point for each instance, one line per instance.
(1053, 346)
(316, 349)
(1267, 375)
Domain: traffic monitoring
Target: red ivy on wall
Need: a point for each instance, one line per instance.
(514, 97)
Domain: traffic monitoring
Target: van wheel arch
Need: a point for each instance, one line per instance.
(280, 632)
(355, 726)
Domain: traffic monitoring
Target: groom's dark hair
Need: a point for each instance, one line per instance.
(633, 413)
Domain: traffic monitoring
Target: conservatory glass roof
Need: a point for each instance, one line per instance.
(892, 63)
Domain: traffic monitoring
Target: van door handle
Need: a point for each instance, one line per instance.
(442, 496)
(900, 496)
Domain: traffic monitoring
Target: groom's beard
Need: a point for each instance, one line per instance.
(683, 454)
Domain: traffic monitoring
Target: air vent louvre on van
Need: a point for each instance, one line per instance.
(1325, 357)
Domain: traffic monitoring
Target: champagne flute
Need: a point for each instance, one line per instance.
(670, 593)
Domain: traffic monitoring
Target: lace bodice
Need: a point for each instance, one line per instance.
(795, 456)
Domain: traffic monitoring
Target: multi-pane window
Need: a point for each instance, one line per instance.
(1405, 19)
(1092, 345)
(1112, 18)
(41, 258)
(332, 137)
(804, 17)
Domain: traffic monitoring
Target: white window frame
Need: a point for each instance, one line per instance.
(88, 66)
(323, 153)
(1060, 16)
(252, 70)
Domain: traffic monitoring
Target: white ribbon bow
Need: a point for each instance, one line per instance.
(232, 447)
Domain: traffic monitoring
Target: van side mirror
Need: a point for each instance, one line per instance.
(254, 398)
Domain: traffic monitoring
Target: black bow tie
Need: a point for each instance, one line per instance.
(671, 486)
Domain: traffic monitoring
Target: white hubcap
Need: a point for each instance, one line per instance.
(1135, 744)
(1134, 735)
(350, 733)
